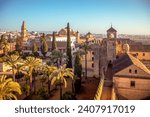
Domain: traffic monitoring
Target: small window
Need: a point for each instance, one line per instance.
(92, 64)
(132, 84)
(93, 53)
(143, 54)
(130, 71)
(92, 58)
(135, 71)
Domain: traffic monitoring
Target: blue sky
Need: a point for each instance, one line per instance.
(96, 16)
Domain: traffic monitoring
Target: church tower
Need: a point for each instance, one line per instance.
(77, 37)
(111, 33)
(24, 34)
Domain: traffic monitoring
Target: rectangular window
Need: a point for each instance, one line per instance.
(130, 71)
(135, 71)
(92, 64)
(92, 58)
(132, 84)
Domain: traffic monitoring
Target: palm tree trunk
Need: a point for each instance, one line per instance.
(31, 83)
(57, 63)
(13, 73)
(60, 87)
(49, 87)
(34, 84)
(60, 61)
(86, 66)
(73, 89)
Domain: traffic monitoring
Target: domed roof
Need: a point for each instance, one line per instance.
(111, 29)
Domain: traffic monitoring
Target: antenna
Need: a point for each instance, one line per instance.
(111, 24)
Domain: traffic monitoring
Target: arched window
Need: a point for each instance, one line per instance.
(92, 64)
(135, 71)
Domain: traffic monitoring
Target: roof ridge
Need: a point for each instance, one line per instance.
(139, 65)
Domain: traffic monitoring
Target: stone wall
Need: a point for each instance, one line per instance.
(141, 89)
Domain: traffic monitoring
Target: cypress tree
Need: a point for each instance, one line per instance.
(77, 72)
(19, 44)
(35, 49)
(44, 46)
(77, 66)
(54, 45)
(69, 55)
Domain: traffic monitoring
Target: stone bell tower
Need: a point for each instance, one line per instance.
(111, 33)
(24, 34)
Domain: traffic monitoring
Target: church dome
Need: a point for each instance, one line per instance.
(126, 48)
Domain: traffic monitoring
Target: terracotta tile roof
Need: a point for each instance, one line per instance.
(60, 44)
(125, 61)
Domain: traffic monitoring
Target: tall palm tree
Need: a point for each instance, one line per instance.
(48, 70)
(8, 88)
(59, 76)
(30, 64)
(57, 56)
(13, 61)
(86, 48)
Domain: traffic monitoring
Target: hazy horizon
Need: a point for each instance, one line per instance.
(95, 16)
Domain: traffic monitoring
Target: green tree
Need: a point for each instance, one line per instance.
(57, 57)
(43, 79)
(30, 64)
(69, 55)
(4, 44)
(13, 61)
(19, 44)
(54, 45)
(77, 72)
(68, 96)
(44, 46)
(35, 50)
(86, 48)
(59, 76)
(48, 70)
(78, 66)
(8, 88)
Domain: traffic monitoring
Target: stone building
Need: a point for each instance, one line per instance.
(89, 37)
(131, 78)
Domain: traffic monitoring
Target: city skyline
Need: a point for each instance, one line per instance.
(128, 17)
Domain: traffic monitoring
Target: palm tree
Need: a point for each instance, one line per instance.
(48, 70)
(57, 57)
(59, 76)
(13, 61)
(86, 48)
(8, 88)
(30, 64)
